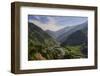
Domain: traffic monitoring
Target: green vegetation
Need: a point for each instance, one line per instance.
(41, 46)
(75, 51)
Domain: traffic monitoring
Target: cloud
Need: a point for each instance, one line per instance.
(55, 23)
(50, 25)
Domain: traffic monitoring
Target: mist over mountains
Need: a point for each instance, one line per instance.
(63, 34)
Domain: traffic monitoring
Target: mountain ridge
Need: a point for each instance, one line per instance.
(62, 34)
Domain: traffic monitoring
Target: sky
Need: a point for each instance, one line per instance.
(55, 23)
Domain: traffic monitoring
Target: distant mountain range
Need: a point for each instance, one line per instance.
(77, 33)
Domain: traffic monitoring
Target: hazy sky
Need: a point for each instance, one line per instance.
(55, 23)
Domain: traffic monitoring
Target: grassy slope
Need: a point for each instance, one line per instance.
(75, 51)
